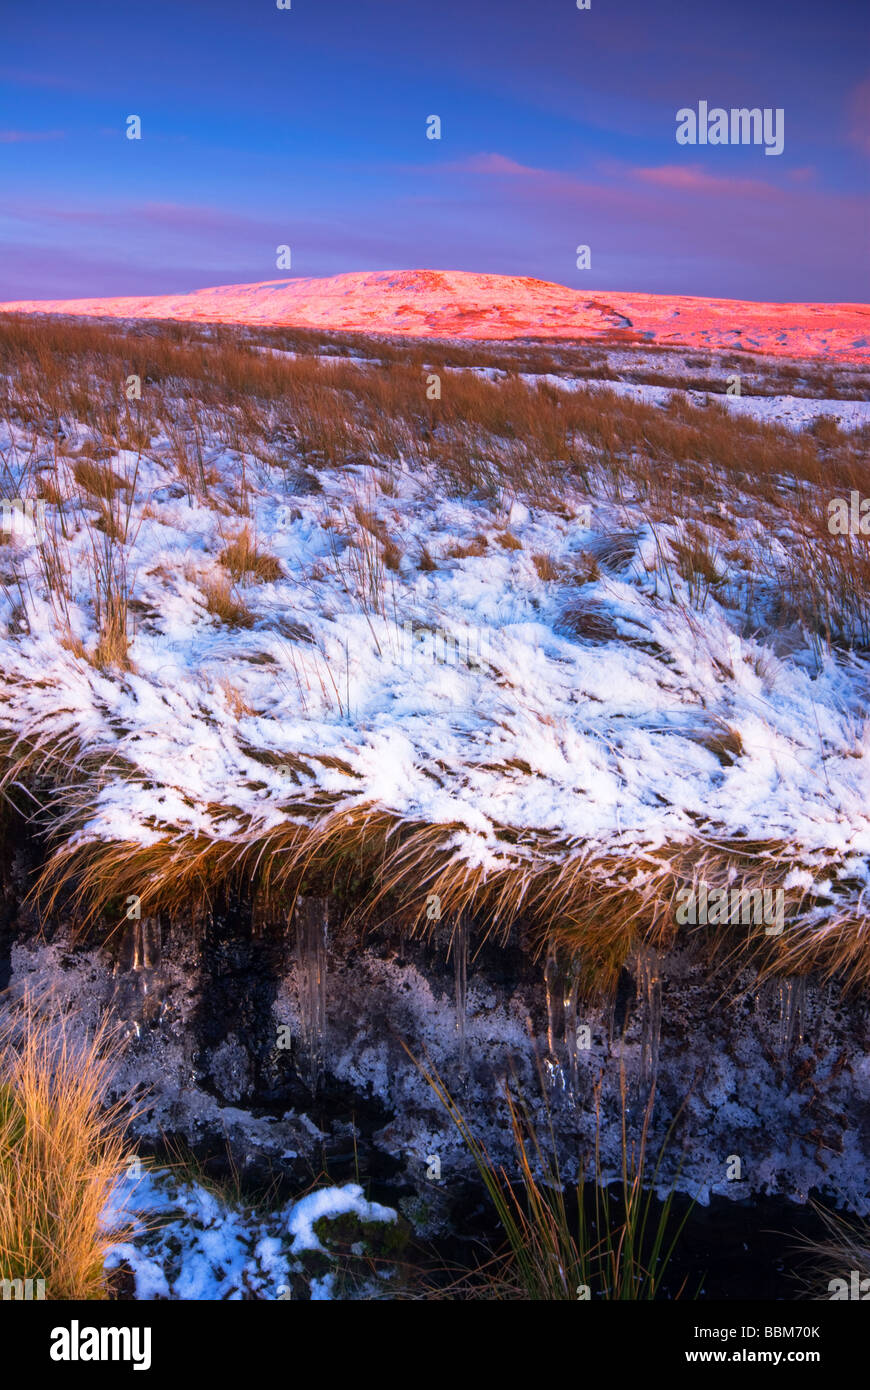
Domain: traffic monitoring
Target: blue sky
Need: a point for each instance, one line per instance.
(307, 127)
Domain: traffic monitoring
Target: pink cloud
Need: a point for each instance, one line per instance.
(556, 184)
(170, 217)
(21, 137)
(550, 183)
(489, 163)
(859, 116)
(691, 178)
(495, 164)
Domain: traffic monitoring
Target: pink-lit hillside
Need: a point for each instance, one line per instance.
(461, 304)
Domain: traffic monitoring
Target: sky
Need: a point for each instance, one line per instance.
(307, 128)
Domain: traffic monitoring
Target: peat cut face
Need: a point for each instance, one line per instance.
(204, 1023)
(236, 1056)
(19, 858)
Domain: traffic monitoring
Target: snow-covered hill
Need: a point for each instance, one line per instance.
(462, 304)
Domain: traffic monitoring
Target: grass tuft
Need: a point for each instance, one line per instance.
(245, 559)
(560, 1247)
(62, 1153)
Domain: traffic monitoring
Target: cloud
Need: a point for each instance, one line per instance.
(859, 116)
(521, 180)
(691, 178)
(495, 164)
(128, 218)
(557, 184)
(701, 233)
(23, 137)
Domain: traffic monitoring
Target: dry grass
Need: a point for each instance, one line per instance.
(844, 1248)
(370, 522)
(223, 604)
(391, 553)
(392, 556)
(235, 700)
(360, 565)
(100, 481)
(490, 440)
(535, 439)
(245, 559)
(62, 1152)
(476, 547)
(390, 866)
(560, 1247)
(545, 568)
(508, 541)
(589, 621)
(111, 598)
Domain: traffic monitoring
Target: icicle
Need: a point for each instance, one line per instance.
(570, 997)
(554, 986)
(605, 1014)
(140, 983)
(152, 977)
(649, 995)
(562, 986)
(792, 1005)
(128, 952)
(150, 943)
(459, 947)
(311, 940)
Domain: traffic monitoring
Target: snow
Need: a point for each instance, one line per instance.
(330, 1202)
(466, 305)
(189, 1243)
(610, 731)
(578, 743)
(535, 742)
(795, 412)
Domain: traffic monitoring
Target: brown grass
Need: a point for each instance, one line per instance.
(508, 541)
(223, 604)
(245, 559)
(475, 547)
(564, 892)
(97, 479)
(235, 700)
(392, 556)
(111, 592)
(62, 1151)
(545, 568)
(493, 440)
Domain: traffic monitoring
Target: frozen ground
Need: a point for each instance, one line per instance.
(188, 1242)
(539, 680)
(797, 412)
(530, 717)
